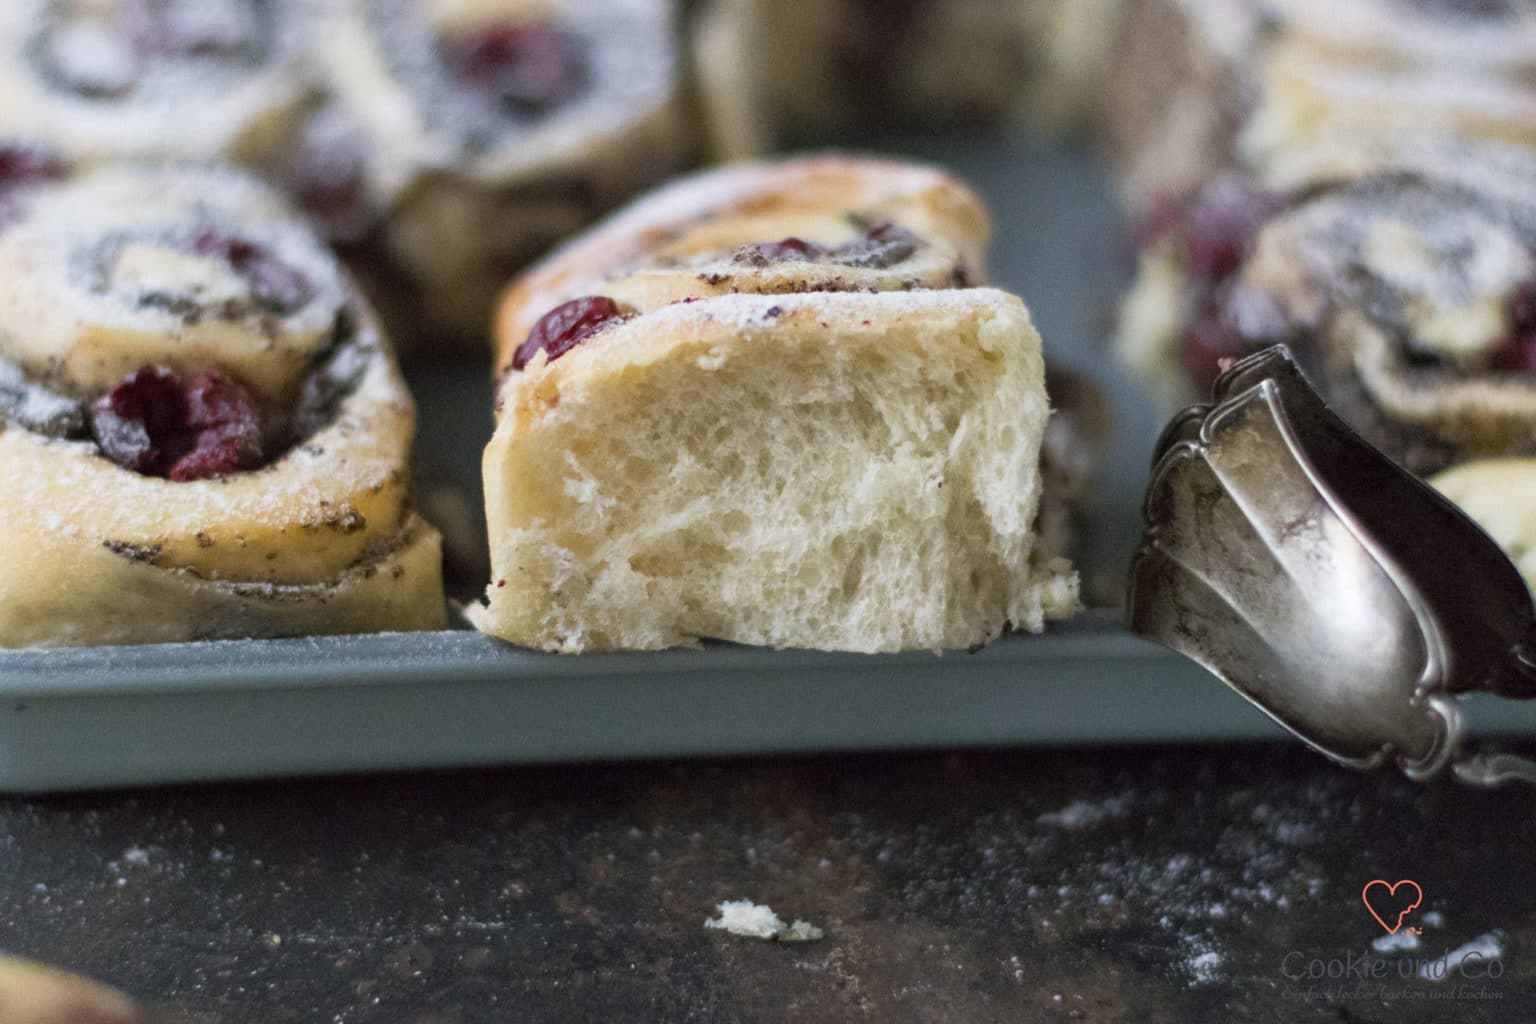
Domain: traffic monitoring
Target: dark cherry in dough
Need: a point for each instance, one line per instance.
(1216, 228)
(159, 425)
(24, 165)
(566, 326)
(527, 69)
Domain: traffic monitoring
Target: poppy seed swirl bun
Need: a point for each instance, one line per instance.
(205, 432)
(485, 131)
(91, 81)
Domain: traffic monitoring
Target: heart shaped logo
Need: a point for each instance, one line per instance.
(1391, 901)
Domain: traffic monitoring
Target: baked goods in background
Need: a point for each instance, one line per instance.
(1385, 68)
(1500, 495)
(1354, 180)
(89, 81)
(467, 136)
(203, 431)
(1072, 455)
(1073, 46)
(1403, 278)
(444, 144)
(1195, 87)
(773, 73)
(767, 405)
(1176, 92)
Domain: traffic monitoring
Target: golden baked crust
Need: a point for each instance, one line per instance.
(680, 241)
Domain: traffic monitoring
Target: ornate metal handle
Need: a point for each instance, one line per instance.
(1327, 585)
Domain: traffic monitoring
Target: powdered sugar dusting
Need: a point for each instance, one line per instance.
(744, 312)
(1194, 904)
(1083, 814)
(1203, 965)
(1402, 940)
(1485, 947)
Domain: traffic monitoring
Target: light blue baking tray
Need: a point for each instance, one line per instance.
(243, 708)
(251, 708)
(75, 719)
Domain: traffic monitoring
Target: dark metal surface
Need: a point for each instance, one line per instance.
(1126, 886)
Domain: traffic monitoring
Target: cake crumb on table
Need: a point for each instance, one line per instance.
(758, 921)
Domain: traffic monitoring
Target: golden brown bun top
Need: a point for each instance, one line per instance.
(686, 239)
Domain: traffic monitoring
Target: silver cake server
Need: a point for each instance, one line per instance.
(1340, 594)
